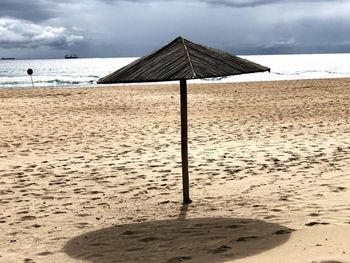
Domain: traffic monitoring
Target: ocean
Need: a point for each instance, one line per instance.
(86, 71)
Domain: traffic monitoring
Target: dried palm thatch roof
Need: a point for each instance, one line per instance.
(182, 59)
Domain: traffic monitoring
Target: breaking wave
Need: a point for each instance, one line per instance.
(86, 72)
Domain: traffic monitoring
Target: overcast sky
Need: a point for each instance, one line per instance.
(115, 28)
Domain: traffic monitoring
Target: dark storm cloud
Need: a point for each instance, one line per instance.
(229, 3)
(28, 10)
(254, 3)
(135, 27)
(36, 10)
(303, 35)
(248, 27)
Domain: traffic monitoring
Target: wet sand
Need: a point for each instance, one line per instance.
(94, 174)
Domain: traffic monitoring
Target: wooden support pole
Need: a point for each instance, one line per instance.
(184, 148)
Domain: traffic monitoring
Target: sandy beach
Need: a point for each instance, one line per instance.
(94, 174)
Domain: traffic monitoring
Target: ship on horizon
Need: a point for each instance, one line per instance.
(70, 56)
(3, 58)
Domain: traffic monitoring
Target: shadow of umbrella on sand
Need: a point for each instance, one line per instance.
(204, 240)
(182, 60)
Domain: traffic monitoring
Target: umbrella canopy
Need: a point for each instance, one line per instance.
(182, 59)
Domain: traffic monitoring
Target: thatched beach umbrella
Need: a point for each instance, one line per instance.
(181, 60)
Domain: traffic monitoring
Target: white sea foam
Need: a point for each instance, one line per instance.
(86, 72)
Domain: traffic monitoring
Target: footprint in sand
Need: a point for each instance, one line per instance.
(218, 250)
(29, 260)
(243, 239)
(316, 223)
(45, 253)
(178, 259)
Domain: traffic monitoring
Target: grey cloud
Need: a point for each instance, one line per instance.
(285, 43)
(304, 36)
(136, 27)
(293, 29)
(236, 3)
(15, 33)
(240, 3)
(254, 3)
(230, 3)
